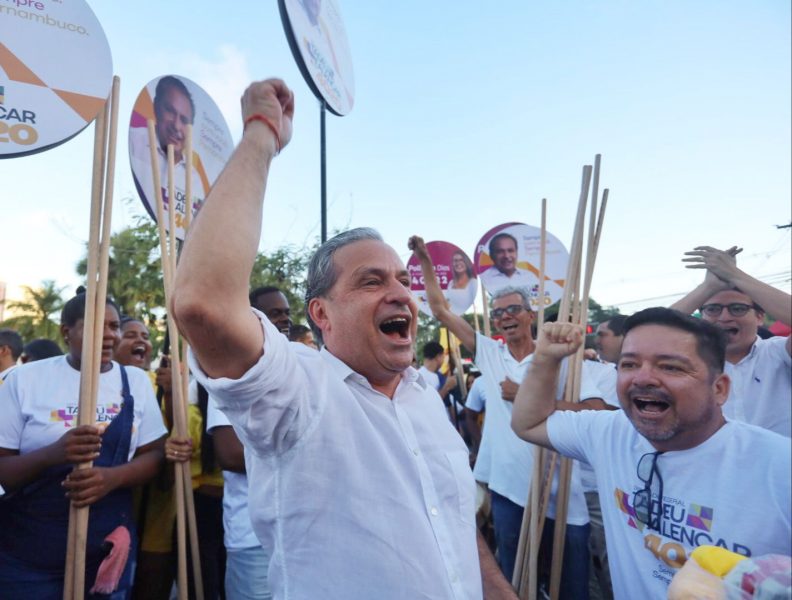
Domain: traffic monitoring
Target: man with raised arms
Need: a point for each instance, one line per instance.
(760, 370)
(359, 485)
(672, 473)
(508, 461)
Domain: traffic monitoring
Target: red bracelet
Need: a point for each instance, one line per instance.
(270, 124)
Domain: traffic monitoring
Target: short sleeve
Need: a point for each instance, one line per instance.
(214, 416)
(564, 429)
(275, 402)
(151, 426)
(475, 399)
(12, 421)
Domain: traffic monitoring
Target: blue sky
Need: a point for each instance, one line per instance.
(466, 115)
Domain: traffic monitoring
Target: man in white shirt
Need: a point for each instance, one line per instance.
(508, 463)
(10, 351)
(504, 271)
(760, 370)
(359, 486)
(672, 473)
(247, 562)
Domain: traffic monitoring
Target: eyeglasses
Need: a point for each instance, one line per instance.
(512, 309)
(736, 309)
(642, 499)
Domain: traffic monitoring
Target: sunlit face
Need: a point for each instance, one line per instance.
(111, 335)
(513, 327)
(504, 252)
(667, 390)
(459, 265)
(173, 116)
(369, 319)
(608, 344)
(276, 307)
(740, 331)
(134, 349)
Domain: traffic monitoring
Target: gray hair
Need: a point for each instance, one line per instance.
(513, 289)
(322, 274)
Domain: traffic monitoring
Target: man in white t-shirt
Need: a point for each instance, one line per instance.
(672, 473)
(359, 485)
(508, 462)
(433, 359)
(760, 370)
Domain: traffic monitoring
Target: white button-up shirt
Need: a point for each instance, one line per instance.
(354, 494)
(761, 390)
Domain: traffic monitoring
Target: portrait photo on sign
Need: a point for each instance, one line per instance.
(509, 255)
(454, 272)
(174, 103)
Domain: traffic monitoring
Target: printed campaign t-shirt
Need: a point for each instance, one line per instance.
(39, 404)
(732, 491)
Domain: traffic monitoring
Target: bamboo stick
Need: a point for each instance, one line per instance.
(74, 573)
(485, 311)
(188, 156)
(180, 379)
(570, 300)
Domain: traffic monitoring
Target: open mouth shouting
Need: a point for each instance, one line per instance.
(397, 328)
(649, 403)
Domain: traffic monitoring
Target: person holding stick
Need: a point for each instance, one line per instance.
(359, 485)
(672, 472)
(760, 370)
(508, 470)
(39, 445)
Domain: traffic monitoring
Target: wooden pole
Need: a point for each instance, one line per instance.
(182, 584)
(570, 298)
(485, 311)
(74, 571)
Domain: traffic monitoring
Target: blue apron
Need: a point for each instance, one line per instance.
(34, 522)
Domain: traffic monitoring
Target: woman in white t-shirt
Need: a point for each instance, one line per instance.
(39, 445)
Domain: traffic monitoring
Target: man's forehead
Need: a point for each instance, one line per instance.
(269, 300)
(507, 300)
(500, 243)
(654, 338)
(367, 255)
(729, 296)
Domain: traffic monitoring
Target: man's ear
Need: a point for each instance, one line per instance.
(318, 312)
(720, 388)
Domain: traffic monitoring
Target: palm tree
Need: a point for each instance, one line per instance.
(34, 318)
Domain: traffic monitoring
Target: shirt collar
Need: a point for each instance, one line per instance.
(344, 371)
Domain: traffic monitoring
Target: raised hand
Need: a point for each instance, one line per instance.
(274, 101)
(418, 247)
(721, 265)
(557, 340)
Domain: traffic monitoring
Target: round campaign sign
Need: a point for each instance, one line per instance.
(173, 102)
(55, 73)
(509, 255)
(455, 274)
(318, 42)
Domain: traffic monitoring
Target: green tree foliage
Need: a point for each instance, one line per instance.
(38, 312)
(134, 277)
(285, 268)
